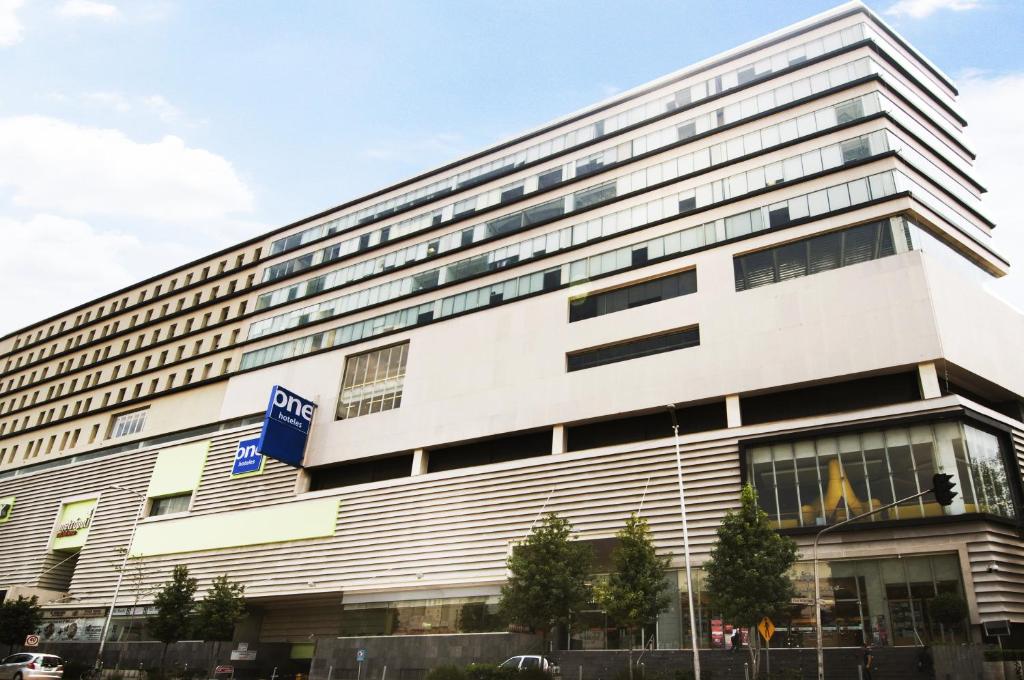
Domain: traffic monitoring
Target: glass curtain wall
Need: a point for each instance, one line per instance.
(821, 481)
(884, 601)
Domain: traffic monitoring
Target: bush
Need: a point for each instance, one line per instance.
(446, 672)
(487, 671)
(530, 674)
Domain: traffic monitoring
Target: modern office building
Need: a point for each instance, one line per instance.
(785, 241)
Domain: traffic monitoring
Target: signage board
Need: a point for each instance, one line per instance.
(996, 628)
(221, 670)
(32, 641)
(243, 655)
(766, 628)
(6, 508)
(73, 524)
(361, 655)
(248, 461)
(286, 427)
(71, 630)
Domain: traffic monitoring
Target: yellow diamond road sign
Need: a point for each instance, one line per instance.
(766, 628)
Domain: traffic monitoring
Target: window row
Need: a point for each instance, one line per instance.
(117, 305)
(706, 157)
(825, 252)
(633, 349)
(828, 479)
(700, 197)
(637, 114)
(621, 259)
(635, 295)
(115, 347)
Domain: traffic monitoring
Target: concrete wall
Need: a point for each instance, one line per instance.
(197, 657)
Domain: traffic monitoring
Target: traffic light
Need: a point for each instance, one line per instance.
(943, 485)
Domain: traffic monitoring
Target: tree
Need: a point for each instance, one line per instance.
(748, 571)
(218, 612)
(549, 577)
(174, 603)
(19, 619)
(635, 593)
(949, 609)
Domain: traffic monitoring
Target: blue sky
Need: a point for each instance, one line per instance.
(137, 135)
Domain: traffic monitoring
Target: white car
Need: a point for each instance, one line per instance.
(31, 666)
(530, 661)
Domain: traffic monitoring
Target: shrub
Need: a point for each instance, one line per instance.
(530, 674)
(487, 671)
(446, 672)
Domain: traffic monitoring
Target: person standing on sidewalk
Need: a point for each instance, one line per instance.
(869, 662)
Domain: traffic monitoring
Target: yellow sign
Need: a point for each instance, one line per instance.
(766, 628)
(73, 524)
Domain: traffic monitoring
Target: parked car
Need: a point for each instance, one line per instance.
(31, 666)
(530, 661)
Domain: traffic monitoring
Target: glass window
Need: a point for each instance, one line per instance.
(832, 478)
(607, 302)
(633, 349)
(127, 424)
(170, 504)
(373, 381)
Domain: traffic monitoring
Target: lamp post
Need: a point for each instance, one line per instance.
(120, 573)
(686, 543)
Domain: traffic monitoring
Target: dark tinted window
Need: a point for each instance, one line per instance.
(487, 451)
(360, 472)
(836, 249)
(642, 427)
(832, 398)
(634, 349)
(664, 288)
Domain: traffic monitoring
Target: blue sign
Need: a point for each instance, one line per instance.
(361, 655)
(286, 427)
(248, 460)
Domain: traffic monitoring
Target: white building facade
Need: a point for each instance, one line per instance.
(784, 241)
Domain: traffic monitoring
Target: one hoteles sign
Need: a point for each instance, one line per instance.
(286, 427)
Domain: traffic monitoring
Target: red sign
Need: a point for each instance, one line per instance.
(223, 669)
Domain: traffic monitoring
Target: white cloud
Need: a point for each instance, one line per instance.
(52, 263)
(87, 9)
(10, 26)
(991, 105)
(164, 110)
(55, 166)
(919, 9)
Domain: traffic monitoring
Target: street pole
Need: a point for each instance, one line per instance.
(686, 543)
(817, 586)
(120, 574)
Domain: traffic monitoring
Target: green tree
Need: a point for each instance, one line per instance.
(747, 575)
(549, 577)
(174, 603)
(19, 619)
(218, 612)
(635, 592)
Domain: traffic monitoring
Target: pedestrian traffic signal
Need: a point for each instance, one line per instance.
(943, 485)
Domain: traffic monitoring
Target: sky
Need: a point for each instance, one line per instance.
(136, 135)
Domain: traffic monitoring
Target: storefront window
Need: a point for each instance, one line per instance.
(829, 479)
(884, 601)
(423, 617)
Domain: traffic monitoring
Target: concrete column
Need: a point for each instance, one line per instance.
(420, 459)
(928, 379)
(733, 418)
(302, 481)
(558, 439)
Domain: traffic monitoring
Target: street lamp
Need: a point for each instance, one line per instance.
(120, 573)
(686, 543)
